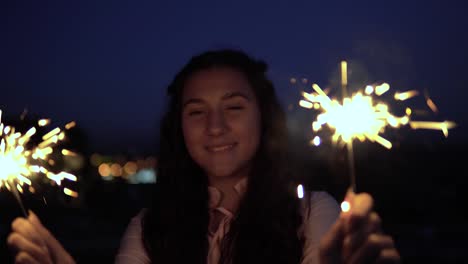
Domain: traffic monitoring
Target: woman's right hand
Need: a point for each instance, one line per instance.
(356, 237)
(33, 243)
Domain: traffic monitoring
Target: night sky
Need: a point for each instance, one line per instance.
(106, 64)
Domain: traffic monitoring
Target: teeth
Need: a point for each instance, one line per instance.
(217, 149)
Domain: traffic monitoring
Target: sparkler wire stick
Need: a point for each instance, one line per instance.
(18, 199)
(349, 144)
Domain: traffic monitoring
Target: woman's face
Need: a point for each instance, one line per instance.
(221, 122)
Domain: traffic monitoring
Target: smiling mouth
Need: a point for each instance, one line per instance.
(221, 148)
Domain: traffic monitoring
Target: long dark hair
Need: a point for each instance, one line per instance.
(265, 229)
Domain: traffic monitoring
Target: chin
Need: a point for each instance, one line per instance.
(224, 172)
(221, 173)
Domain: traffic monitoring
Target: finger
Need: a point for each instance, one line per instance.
(349, 194)
(56, 249)
(26, 229)
(370, 250)
(389, 256)
(331, 242)
(34, 220)
(361, 207)
(21, 244)
(362, 204)
(354, 240)
(25, 258)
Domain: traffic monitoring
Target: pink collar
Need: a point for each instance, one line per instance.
(216, 195)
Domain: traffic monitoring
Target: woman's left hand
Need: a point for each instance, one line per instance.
(356, 237)
(32, 243)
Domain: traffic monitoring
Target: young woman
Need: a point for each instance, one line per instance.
(224, 192)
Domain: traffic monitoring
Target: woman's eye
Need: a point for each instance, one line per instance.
(235, 107)
(195, 113)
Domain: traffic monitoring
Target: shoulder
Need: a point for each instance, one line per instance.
(320, 210)
(319, 202)
(131, 248)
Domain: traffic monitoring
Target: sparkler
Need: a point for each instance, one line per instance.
(19, 163)
(362, 116)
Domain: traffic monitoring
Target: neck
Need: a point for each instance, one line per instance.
(224, 184)
(230, 198)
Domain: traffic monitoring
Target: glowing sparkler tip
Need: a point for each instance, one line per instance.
(316, 141)
(67, 152)
(450, 124)
(43, 122)
(344, 73)
(345, 206)
(432, 105)
(70, 192)
(404, 120)
(405, 95)
(306, 104)
(300, 191)
(18, 187)
(408, 111)
(442, 126)
(381, 89)
(70, 125)
(51, 134)
(369, 89)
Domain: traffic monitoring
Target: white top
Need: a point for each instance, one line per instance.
(324, 211)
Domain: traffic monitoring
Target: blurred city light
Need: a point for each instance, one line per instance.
(139, 171)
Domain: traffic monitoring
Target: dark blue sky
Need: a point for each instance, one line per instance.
(106, 64)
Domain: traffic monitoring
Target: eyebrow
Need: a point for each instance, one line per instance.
(192, 101)
(235, 94)
(227, 96)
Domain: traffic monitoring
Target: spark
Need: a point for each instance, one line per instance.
(381, 89)
(443, 126)
(432, 105)
(406, 95)
(67, 152)
(43, 122)
(21, 162)
(70, 192)
(70, 125)
(362, 116)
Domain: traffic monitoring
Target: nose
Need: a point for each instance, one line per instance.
(216, 124)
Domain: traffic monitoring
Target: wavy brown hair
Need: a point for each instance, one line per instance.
(264, 229)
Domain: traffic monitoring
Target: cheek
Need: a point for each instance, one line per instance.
(251, 130)
(191, 134)
(256, 132)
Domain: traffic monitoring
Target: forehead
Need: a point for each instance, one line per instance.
(216, 82)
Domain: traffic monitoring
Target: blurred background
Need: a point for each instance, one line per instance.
(106, 65)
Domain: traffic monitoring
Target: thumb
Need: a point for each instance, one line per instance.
(335, 235)
(350, 195)
(331, 243)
